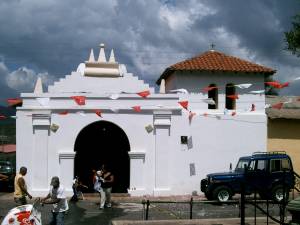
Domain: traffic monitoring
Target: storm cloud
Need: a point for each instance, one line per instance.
(50, 38)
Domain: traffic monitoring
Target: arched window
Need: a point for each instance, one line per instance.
(230, 100)
(213, 94)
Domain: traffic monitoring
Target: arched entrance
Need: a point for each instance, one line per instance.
(100, 143)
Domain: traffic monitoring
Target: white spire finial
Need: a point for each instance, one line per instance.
(38, 86)
(112, 57)
(102, 57)
(92, 57)
(162, 87)
(212, 47)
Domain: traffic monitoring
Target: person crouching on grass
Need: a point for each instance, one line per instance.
(56, 197)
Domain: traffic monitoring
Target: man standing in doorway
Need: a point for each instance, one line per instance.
(107, 183)
(21, 188)
(57, 197)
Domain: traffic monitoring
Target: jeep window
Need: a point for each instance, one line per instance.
(258, 165)
(252, 165)
(241, 165)
(261, 165)
(285, 163)
(280, 165)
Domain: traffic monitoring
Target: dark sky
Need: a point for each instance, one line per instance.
(50, 38)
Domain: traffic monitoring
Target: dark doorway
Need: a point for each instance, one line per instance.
(230, 102)
(101, 143)
(213, 94)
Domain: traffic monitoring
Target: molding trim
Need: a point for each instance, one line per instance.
(137, 155)
(41, 119)
(162, 118)
(66, 155)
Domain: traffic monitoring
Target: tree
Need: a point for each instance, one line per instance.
(292, 37)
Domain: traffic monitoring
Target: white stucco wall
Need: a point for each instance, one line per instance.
(194, 81)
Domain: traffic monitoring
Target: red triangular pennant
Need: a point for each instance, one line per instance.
(205, 114)
(137, 108)
(143, 94)
(80, 100)
(252, 108)
(98, 112)
(207, 89)
(14, 101)
(233, 96)
(184, 104)
(285, 84)
(278, 105)
(63, 112)
(274, 84)
(233, 113)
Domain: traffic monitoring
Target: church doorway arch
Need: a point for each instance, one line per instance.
(99, 143)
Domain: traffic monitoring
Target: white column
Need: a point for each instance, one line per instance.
(39, 173)
(66, 169)
(137, 176)
(162, 124)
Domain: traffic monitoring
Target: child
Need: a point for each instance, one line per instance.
(77, 189)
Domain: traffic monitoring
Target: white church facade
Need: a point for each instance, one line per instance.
(155, 143)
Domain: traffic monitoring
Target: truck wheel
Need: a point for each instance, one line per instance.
(222, 193)
(277, 193)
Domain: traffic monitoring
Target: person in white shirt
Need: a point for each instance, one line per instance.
(57, 197)
(97, 187)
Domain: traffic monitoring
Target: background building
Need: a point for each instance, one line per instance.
(284, 127)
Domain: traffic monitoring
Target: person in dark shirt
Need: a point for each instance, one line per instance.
(107, 183)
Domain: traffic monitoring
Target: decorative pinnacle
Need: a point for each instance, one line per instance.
(38, 89)
(212, 47)
(92, 57)
(102, 57)
(112, 57)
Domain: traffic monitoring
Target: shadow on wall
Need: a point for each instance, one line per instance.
(284, 129)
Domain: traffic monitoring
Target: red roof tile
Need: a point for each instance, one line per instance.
(216, 61)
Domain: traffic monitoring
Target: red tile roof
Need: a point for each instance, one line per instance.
(216, 61)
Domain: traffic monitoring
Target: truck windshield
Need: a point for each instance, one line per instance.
(242, 164)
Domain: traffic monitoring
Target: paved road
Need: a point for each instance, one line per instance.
(86, 211)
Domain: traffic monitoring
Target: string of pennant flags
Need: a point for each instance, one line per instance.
(81, 100)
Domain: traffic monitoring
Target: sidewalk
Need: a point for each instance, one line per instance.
(226, 221)
(138, 199)
(128, 210)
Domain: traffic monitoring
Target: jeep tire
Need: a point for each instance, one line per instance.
(277, 193)
(222, 193)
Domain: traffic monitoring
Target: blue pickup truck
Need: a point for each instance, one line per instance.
(270, 174)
